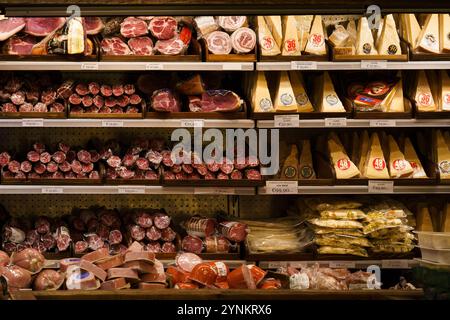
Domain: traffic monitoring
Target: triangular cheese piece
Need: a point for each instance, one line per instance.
(305, 163)
(402, 28)
(376, 33)
(445, 91)
(423, 96)
(397, 104)
(290, 165)
(412, 29)
(364, 150)
(413, 159)
(446, 220)
(443, 156)
(423, 220)
(275, 28)
(316, 39)
(267, 43)
(339, 37)
(398, 166)
(389, 41)
(444, 32)
(261, 100)
(284, 99)
(303, 28)
(364, 38)
(303, 103)
(428, 39)
(376, 164)
(328, 99)
(351, 29)
(343, 166)
(291, 46)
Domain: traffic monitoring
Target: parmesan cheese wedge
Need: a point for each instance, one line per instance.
(284, 98)
(376, 33)
(445, 91)
(301, 97)
(423, 219)
(261, 100)
(305, 163)
(351, 29)
(303, 28)
(316, 39)
(443, 156)
(275, 28)
(339, 37)
(398, 166)
(291, 46)
(428, 39)
(290, 165)
(267, 43)
(397, 104)
(376, 164)
(413, 159)
(327, 100)
(389, 41)
(423, 96)
(343, 166)
(364, 149)
(444, 32)
(412, 29)
(364, 38)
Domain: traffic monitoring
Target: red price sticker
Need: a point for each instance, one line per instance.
(379, 164)
(343, 164)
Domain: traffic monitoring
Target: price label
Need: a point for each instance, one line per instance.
(112, 123)
(277, 264)
(287, 121)
(192, 123)
(381, 186)
(132, 190)
(224, 191)
(303, 65)
(395, 264)
(282, 187)
(343, 264)
(298, 264)
(32, 122)
(52, 190)
(335, 122)
(373, 64)
(154, 66)
(232, 66)
(89, 66)
(382, 123)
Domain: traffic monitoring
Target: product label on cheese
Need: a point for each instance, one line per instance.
(425, 99)
(343, 164)
(267, 43)
(286, 99)
(399, 164)
(302, 99)
(379, 164)
(430, 41)
(444, 166)
(316, 40)
(265, 105)
(290, 45)
(332, 99)
(306, 172)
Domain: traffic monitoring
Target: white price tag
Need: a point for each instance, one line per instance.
(298, 264)
(132, 190)
(232, 66)
(89, 66)
(382, 123)
(373, 64)
(303, 65)
(192, 123)
(381, 186)
(52, 190)
(154, 66)
(343, 264)
(276, 264)
(282, 187)
(112, 123)
(395, 264)
(32, 122)
(224, 191)
(287, 121)
(335, 122)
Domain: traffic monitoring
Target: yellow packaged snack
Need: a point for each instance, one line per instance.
(392, 248)
(339, 224)
(331, 204)
(342, 241)
(342, 232)
(378, 224)
(355, 251)
(344, 214)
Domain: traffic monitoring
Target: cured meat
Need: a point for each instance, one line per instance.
(59, 157)
(153, 234)
(45, 157)
(75, 99)
(164, 100)
(117, 90)
(56, 107)
(243, 40)
(233, 231)
(168, 247)
(161, 221)
(170, 47)
(41, 27)
(253, 174)
(126, 273)
(48, 280)
(192, 244)
(65, 166)
(84, 156)
(135, 99)
(106, 90)
(93, 25)
(98, 101)
(129, 89)
(220, 100)
(163, 28)
(142, 46)
(82, 89)
(219, 42)
(231, 23)
(115, 46)
(19, 45)
(4, 259)
(26, 107)
(153, 246)
(14, 166)
(115, 237)
(40, 107)
(137, 233)
(168, 234)
(95, 242)
(111, 262)
(143, 219)
(187, 261)
(87, 101)
(5, 158)
(10, 26)
(29, 259)
(52, 167)
(81, 247)
(132, 27)
(199, 226)
(114, 284)
(92, 268)
(112, 26)
(217, 244)
(63, 239)
(18, 98)
(16, 277)
(9, 107)
(94, 88)
(123, 101)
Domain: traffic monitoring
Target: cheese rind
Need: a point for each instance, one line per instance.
(343, 166)
(389, 41)
(267, 43)
(364, 150)
(290, 165)
(261, 99)
(428, 39)
(284, 98)
(376, 164)
(445, 91)
(443, 156)
(397, 104)
(364, 38)
(398, 166)
(301, 97)
(444, 32)
(316, 39)
(291, 46)
(305, 163)
(275, 28)
(327, 99)
(413, 159)
(303, 28)
(412, 29)
(423, 95)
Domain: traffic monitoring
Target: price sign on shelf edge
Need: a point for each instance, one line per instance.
(373, 64)
(376, 186)
(131, 190)
(335, 122)
(112, 123)
(382, 123)
(32, 122)
(286, 121)
(51, 190)
(154, 66)
(89, 66)
(282, 187)
(192, 123)
(303, 65)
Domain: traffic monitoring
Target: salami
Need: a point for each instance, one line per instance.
(84, 156)
(192, 244)
(115, 237)
(217, 244)
(137, 233)
(153, 246)
(200, 226)
(153, 234)
(95, 242)
(161, 221)
(33, 156)
(45, 157)
(52, 167)
(143, 219)
(243, 40)
(168, 234)
(26, 166)
(63, 239)
(81, 247)
(233, 231)
(168, 247)
(94, 88)
(5, 158)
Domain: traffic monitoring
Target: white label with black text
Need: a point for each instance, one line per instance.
(343, 264)
(382, 123)
(223, 191)
(303, 65)
(282, 187)
(112, 123)
(381, 186)
(277, 264)
(89, 66)
(373, 64)
(52, 190)
(395, 264)
(132, 190)
(32, 122)
(154, 66)
(286, 121)
(232, 66)
(335, 122)
(192, 123)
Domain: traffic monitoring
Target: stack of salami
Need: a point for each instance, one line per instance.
(58, 162)
(146, 35)
(209, 236)
(43, 234)
(103, 98)
(29, 93)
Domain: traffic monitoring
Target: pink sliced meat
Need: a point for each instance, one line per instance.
(11, 26)
(87, 101)
(39, 168)
(52, 167)
(168, 247)
(137, 232)
(84, 156)
(164, 100)
(81, 247)
(153, 234)
(125, 173)
(82, 89)
(123, 101)
(65, 166)
(41, 27)
(26, 166)
(76, 166)
(219, 42)
(153, 246)
(56, 107)
(63, 238)
(4, 159)
(141, 46)
(74, 99)
(115, 237)
(161, 220)
(133, 27)
(129, 89)
(106, 90)
(163, 28)
(98, 101)
(253, 174)
(19, 45)
(18, 98)
(9, 107)
(114, 161)
(59, 157)
(93, 25)
(40, 107)
(222, 176)
(95, 242)
(95, 156)
(48, 96)
(142, 164)
(39, 147)
(87, 167)
(117, 90)
(33, 156)
(220, 100)
(42, 225)
(115, 46)
(94, 88)
(135, 99)
(170, 47)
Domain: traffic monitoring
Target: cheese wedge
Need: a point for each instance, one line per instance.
(290, 165)
(327, 100)
(284, 98)
(412, 29)
(445, 91)
(301, 97)
(376, 164)
(364, 149)
(316, 40)
(343, 166)
(267, 43)
(443, 156)
(339, 37)
(275, 28)
(413, 159)
(446, 221)
(423, 96)
(389, 41)
(364, 38)
(351, 29)
(423, 219)
(444, 32)
(303, 28)
(428, 39)
(291, 46)
(398, 166)
(376, 33)
(397, 104)
(305, 163)
(261, 100)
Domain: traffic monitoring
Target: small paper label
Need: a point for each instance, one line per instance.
(224, 191)
(154, 66)
(32, 122)
(335, 122)
(132, 190)
(277, 264)
(373, 64)
(287, 121)
(52, 190)
(303, 65)
(89, 66)
(395, 264)
(232, 66)
(282, 187)
(192, 123)
(382, 123)
(343, 264)
(381, 186)
(297, 264)
(112, 123)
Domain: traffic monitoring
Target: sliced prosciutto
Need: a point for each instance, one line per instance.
(93, 25)
(163, 28)
(170, 47)
(220, 100)
(10, 26)
(20, 45)
(41, 27)
(115, 46)
(141, 46)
